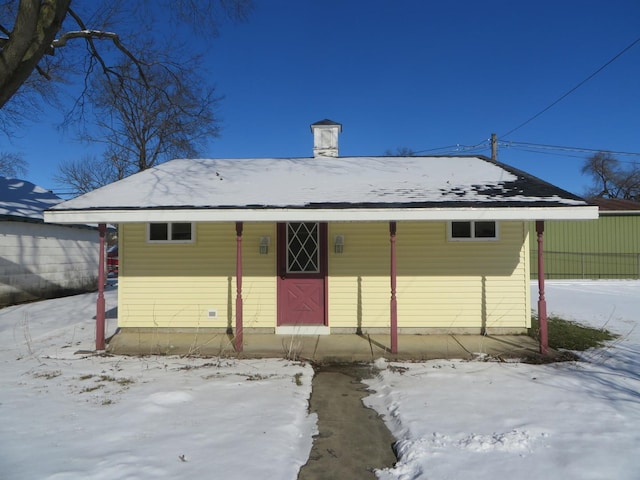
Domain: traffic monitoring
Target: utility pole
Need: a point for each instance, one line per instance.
(494, 147)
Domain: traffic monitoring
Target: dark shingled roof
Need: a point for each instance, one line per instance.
(326, 122)
(615, 204)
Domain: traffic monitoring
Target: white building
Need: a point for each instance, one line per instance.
(41, 260)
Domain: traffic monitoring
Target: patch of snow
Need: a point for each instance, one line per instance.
(483, 420)
(68, 415)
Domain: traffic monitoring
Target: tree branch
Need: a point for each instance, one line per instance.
(42, 72)
(89, 35)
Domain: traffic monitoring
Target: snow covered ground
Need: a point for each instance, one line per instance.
(461, 420)
(68, 415)
(65, 415)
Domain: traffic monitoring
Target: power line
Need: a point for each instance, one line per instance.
(457, 148)
(555, 155)
(527, 147)
(447, 148)
(622, 52)
(565, 148)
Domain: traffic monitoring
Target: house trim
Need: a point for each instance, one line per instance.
(581, 212)
(302, 330)
(239, 333)
(100, 302)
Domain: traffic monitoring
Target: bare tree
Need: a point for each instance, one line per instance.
(144, 122)
(400, 152)
(12, 164)
(132, 69)
(86, 174)
(34, 33)
(629, 183)
(611, 179)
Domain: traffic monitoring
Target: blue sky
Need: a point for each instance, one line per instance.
(416, 74)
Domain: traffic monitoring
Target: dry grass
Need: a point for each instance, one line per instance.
(567, 335)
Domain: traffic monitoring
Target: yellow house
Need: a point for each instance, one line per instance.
(325, 244)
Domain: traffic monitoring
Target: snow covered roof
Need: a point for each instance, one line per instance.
(325, 189)
(22, 200)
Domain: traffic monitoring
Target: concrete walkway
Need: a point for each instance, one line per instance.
(352, 440)
(335, 348)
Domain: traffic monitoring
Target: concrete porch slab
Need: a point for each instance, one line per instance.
(335, 348)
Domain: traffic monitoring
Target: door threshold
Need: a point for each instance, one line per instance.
(302, 330)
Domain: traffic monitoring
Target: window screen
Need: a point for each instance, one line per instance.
(473, 230)
(158, 232)
(170, 232)
(484, 229)
(460, 229)
(180, 231)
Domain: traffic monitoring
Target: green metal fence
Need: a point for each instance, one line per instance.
(587, 265)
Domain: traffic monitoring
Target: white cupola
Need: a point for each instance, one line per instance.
(325, 138)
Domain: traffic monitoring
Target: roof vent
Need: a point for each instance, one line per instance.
(325, 138)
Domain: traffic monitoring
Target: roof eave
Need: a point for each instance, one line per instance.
(619, 213)
(321, 214)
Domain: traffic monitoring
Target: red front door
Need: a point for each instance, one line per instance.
(302, 273)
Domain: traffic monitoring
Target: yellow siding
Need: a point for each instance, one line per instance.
(440, 283)
(359, 277)
(175, 285)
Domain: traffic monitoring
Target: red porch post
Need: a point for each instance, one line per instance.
(542, 302)
(394, 301)
(239, 328)
(100, 304)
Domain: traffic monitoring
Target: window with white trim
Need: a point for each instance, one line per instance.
(478, 231)
(173, 232)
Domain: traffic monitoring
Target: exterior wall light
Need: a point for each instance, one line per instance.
(264, 245)
(338, 243)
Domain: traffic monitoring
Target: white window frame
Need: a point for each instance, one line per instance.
(169, 233)
(472, 238)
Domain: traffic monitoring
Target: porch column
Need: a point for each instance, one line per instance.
(239, 328)
(542, 302)
(100, 304)
(394, 301)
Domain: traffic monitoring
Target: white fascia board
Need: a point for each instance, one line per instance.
(322, 215)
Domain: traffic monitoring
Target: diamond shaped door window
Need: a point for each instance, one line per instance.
(303, 247)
